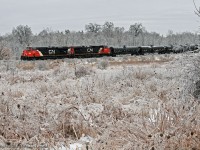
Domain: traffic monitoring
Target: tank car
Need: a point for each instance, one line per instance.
(126, 50)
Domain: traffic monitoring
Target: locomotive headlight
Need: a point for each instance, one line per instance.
(69, 51)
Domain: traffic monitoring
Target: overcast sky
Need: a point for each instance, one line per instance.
(155, 15)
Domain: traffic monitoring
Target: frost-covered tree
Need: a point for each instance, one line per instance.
(23, 34)
(170, 37)
(135, 30)
(67, 36)
(118, 34)
(197, 10)
(107, 30)
(93, 27)
(45, 37)
(95, 34)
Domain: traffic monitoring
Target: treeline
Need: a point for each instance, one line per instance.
(94, 34)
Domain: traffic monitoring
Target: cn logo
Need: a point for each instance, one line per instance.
(89, 50)
(52, 52)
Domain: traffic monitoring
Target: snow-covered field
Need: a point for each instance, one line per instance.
(127, 102)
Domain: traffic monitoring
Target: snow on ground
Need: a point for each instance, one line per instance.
(138, 102)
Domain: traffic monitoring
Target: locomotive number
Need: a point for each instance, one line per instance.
(89, 50)
(52, 52)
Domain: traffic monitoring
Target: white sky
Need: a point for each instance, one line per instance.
(155, 15)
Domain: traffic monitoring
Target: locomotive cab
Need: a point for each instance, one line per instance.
(102, 50)
(30, 53)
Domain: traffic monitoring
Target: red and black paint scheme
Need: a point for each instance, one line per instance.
(89, 51)
(31, 53)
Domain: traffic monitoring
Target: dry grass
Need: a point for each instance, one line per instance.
(142, 60)
(26, 65)
(140, 75)
(41, 65)
(138, 62)
(121, 107)
(103, 64)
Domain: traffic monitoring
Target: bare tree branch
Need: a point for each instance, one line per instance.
(197, 11)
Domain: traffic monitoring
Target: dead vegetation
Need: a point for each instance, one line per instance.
(55, 103)
(5, 53)
(143, 60)
(26, 65)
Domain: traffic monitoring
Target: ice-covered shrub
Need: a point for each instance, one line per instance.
(55, 63)
(26, 65)
(126, 106)
(81, 71)
(140, 75)
(196, 93)
(42, 65)
(5, 53)
(103, 64)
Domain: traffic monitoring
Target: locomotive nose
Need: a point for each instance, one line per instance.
(24, 53)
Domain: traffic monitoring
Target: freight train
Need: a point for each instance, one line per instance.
(32, 53)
